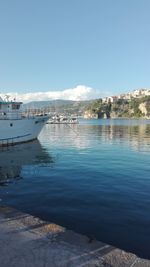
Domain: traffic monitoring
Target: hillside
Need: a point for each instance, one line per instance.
(134, 108)
(68, 107)
(121, 108)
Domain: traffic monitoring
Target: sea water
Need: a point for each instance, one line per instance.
(92, 177)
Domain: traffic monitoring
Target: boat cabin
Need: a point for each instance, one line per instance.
(9, 109)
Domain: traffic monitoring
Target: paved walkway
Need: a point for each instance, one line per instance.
(26, 241)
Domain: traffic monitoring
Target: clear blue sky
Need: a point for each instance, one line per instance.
(59, 44)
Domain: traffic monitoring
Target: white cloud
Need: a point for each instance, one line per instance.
(81, 92)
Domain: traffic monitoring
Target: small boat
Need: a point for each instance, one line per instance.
(17, 126)
(60, 119)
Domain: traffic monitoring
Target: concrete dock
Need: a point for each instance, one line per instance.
(27, 241)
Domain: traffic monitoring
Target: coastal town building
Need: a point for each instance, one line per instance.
(110, 99)
(141, 92)
(128, 96)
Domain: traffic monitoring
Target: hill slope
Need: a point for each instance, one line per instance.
(59, 106)
(134, 108)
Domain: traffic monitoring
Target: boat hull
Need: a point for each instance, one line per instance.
(21, 130)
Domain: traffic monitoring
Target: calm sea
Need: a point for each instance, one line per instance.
(93, 178)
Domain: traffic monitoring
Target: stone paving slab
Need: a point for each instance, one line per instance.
(27, 241)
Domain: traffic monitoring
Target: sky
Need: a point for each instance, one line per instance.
(73, 49)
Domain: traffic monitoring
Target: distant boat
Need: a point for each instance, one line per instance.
(17, 127)
(60, 119)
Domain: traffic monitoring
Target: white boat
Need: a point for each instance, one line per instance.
(16, 126)
(60, 119)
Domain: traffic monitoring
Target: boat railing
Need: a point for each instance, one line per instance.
(19, 115)
(31, 113)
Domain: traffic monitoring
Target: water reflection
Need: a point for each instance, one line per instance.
(14, 159)
(85, 136)
(137, 136)
(99, 184)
